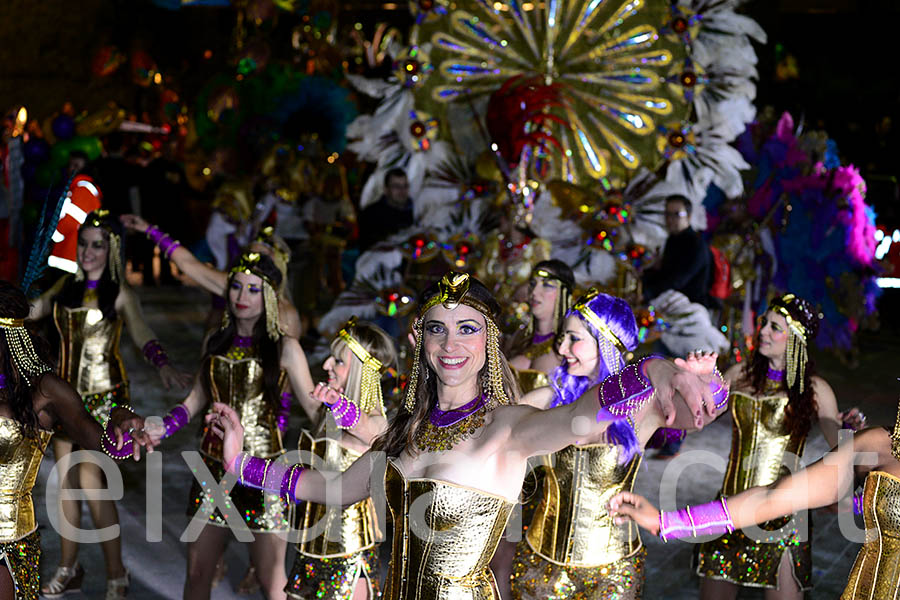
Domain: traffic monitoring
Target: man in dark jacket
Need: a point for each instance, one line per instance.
(391, 213)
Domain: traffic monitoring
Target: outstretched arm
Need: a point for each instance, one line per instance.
(323, 487)
(42, 306)
(822, 483)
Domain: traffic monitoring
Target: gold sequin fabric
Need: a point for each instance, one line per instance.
(20, 460)
(334, 531)
(444, 538)
(430, 438)
(530, 379)
(876, 572)
(333, 578)
(22, 558)
(759, 441)
(571, 525)
(260, 511)
(89, 356)
(535, 578)
(102, 403)
(239, 384)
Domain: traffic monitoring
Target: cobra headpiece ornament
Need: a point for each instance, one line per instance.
(248, 264)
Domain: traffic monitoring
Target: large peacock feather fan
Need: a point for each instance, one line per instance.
(43, 241)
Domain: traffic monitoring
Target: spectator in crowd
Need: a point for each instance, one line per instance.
(391, 213)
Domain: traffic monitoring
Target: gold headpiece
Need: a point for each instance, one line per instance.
(280, 256)
(796, 355)
(248, 264)
(370, 383)
(21, 349)
(452, 291)
(611, 351)
(100, 219)
(560, 307)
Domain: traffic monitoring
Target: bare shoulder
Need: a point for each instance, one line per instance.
(820, 386)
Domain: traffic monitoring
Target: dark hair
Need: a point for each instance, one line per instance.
(17, 393)
(802, 407)
(72, 293)
(401, 431)
(679, 198)
(558, 269)
(522, 338)
(395, 172)
(269, 355)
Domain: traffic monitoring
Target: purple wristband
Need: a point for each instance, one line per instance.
(711, 518)
(858, 503)
(665, 435)
(154, 234)
(167, 245)
(624, 393)
(177, 417)
(108, 443)
(268, 475)
(284, 412)
(345, 412)
(155, 354)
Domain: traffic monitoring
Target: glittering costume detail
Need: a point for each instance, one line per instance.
(876, 572)
(535, 350)
(572, 548)
(102, 403)
(333, 578)
(329, 564)
(444, 538)
(22, 558)
(89, 356)
(238, 382)
(20, 548)
(759, 440)
(535, 577)
(443, 430)
(530, 379)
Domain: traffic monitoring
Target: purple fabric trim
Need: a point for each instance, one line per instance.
(540, 339)
(665, 435)
(284, 413)
(711, 518)
(108, 442)
(346, 413)
(241, 341)
(2, 382)
(177, 417)
(858, 503)
(440, 418)
(774, 375)
(268, 475)
(91, 284)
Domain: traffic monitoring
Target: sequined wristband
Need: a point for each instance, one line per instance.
(346, 413)
(175, 419)
(155, 354)
(166, 244)
(711, 518)
(267, 475)
(108, 443)
(627, 390)
(719, 389)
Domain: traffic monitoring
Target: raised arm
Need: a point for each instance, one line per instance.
(298, 480)
(127, 304)
(827, 410)
(293, 360)
(42, 306)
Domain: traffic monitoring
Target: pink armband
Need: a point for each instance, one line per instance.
(711, 518)
(267, 475)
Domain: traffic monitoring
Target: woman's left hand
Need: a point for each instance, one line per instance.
(125, 421)
(225, 423)
(173, 377)
(853, 419)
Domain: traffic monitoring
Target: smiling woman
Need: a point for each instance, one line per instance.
(460, 448)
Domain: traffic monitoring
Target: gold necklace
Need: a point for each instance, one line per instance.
(444, 429)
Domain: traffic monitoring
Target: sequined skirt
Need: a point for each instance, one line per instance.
(260, 511)
(100, 404)
(535, 578)
(750, 562)
(333, 578)
(23, 559)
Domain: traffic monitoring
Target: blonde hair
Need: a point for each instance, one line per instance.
(377, 343)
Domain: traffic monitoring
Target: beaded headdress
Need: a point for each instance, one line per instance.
(280, 256)
(611, 347)
(802, 325)
(452, 291)
(370, 383)
(248, 263)
(101, 219)
(21, 350)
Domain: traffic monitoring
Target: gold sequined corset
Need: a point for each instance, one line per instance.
(444, 538)
(20, 459)
(239, 384)
(759, 440)
(571, 526)
(330, 531)
(876, 572)
(530, 379)
(89, 349)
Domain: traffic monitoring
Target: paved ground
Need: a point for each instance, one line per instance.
(157, 568)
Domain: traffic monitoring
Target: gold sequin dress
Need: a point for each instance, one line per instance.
(572, 549)
(236, 379)
(759, 441)
(876, 572)
(444, 537)
(89, 358)
(20, 543)
(337, 545)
